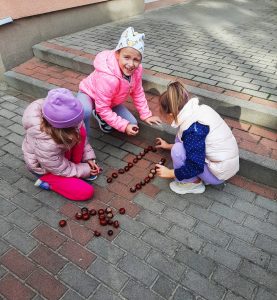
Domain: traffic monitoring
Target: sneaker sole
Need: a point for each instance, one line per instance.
(194, 191)
(100, 123)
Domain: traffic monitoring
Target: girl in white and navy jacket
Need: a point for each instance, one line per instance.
(205, 150)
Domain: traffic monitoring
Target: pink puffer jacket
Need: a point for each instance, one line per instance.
(108, 88)
(42, 155)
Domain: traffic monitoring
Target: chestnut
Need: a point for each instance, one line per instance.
(110, 222)
(114, 175)
(102, 217)
(153, 171)
(78, 216)
(135, 160)
(110, 232)
(132, 189)
(103, 222)
(108, 210)
(145, 151)
(163, 160)
(122, 210)
(126, 168)
(150, 175)
(84, 210)
(150, 148)
(109, 179)
(138, 186)
(146, 179)
(139, 157)
(142, 153)
(101, 211)
(130, 165)
(93, 212)
(85, 216)
(154, 149)
(109, 215)
(121, 171)
(135, 128)
(115, 224)
(142, 183)
(97, 233)
(62, 223)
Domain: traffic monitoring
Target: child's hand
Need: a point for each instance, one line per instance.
(153, 120)
(160, 143)
(132, 129)
(95, 169)
(164, 172)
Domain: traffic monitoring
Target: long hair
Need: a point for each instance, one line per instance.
(68, 137)
(173, 99)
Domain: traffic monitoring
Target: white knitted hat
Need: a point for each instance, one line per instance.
(130, 38)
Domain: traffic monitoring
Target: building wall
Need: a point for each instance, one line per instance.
(17, 38)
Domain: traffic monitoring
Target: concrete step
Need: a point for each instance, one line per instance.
(255, 113)
(257, 145)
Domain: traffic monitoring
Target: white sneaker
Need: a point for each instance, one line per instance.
(187, 187)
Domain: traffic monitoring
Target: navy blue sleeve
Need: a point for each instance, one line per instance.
(194, 142)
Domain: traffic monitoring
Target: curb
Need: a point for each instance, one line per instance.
(252, 166)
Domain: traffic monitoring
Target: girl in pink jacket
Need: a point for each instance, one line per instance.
(55, 146)
(117, 75)
(205, 150)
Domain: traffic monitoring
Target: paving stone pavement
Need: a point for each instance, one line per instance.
(218, 245)
(227, 44)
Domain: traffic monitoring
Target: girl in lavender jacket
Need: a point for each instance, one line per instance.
(55, 146)
(117, 75)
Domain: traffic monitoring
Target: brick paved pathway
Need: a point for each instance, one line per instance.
(219, 245)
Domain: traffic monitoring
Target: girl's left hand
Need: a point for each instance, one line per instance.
(164, 172)
(153, 120)
(95, 169)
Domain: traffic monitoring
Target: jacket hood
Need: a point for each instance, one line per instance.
(106, 62)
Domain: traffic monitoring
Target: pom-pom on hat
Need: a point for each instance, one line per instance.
(130, 38)
(61, 109)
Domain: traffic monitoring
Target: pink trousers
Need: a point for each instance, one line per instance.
(71, 187)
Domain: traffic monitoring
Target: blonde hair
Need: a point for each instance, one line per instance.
(68, 137)
(173, 99)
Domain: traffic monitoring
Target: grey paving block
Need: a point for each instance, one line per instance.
(195, 261)
(265, 295)
(272, 218)
(2, 272)
(48, 216)
(50, 199)
(138, 269)
(6, 207)
(15, 138)
(5, 226)
(250, 209)
(249, 252)
(266, 203)
(21, 240)
(9, 175)
(166, 265)
(117, 152)
(4, 131)
(27, 202)
(136, 291)
(108, 274)
(102, 293)
(131, 244)
(148, 203)
(199, 199)
(160, 242)
(220, 196)
(202, 214)
(4, 247)
(171, 200)
(182, 294)
(108, 139)
(259, 275)
(187, 238)
(164, 287)
(261, 227)
(27, 185)
(227, 212)
(221, 256)
(234, 282)
(202, 286)
(78, 280)
(23, 220)
(16, 128)
(71, 295)
(231, 296)
(7, 191)
(242, 232)
(106, 250)
(134, 227)
(14, 155)
(114, 162)
(179, 218)
(212, 234)
(266, 243)
(153, 221)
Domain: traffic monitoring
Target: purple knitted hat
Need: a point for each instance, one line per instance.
(61, 109)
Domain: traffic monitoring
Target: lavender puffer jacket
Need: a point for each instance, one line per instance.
(42, 155)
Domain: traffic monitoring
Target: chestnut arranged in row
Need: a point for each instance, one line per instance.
(105, 217)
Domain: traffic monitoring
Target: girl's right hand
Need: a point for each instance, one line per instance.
(162, 144)
(132, 129)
